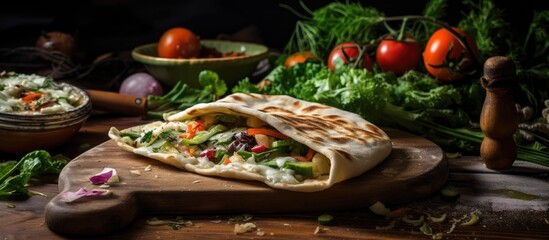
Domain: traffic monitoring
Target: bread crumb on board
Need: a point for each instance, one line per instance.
(243, 228)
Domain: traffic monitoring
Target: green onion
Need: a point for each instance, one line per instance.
(282, 143)
(449, 194)
(325, 219)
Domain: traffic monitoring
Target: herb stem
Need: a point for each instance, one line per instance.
(397, 115)
(295, 12)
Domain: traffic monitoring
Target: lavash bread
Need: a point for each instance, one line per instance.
(352, 144)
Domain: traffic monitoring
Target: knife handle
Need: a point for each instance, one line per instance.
(117, 103)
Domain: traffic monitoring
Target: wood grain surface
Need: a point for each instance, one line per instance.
(415, 169)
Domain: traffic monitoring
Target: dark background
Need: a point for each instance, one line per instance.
(102, 26)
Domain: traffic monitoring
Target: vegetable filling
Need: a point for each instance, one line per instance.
(233, 142)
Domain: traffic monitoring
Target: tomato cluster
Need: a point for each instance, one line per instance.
(444, 55)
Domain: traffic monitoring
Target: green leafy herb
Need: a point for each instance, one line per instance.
(15, 176)
(245, 86)
(434, 9)
(181, 96)
(7, 167)
(146, 137)
(212, 83)
(333, 24)
(132, 135)
(538, 32)
(532, 58)
(170, 136)
(485, 23)
(419, 91)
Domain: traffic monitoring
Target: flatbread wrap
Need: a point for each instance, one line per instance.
(284, 142)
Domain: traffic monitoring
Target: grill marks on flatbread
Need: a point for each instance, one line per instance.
(333, 127)
(315, 122)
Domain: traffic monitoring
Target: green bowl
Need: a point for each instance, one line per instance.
(169, 71)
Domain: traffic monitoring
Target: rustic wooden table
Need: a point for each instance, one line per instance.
(511, 204)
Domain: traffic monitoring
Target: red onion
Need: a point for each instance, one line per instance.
(209, 153)
(141, 85)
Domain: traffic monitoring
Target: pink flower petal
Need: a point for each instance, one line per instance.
(83, 192)
(105, 176)
(101, 178)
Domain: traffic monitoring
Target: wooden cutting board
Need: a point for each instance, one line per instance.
(415, 169)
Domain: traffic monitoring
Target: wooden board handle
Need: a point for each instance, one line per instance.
(77, 219)
(117, 103)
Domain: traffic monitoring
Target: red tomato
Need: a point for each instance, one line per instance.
(298, 57)
(179, 43)
(348, 52)
(445, 58)
(398, 56)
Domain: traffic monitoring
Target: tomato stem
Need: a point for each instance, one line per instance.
(401, 34)
(461, 39)
(359, 59)
(392, 32)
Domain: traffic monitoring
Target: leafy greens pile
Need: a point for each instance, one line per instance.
(15, 175)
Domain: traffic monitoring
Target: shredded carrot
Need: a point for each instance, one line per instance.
(227, 161)
(192, 128)
(187, 135)
(307, 158)
(310, 154)
(31, 96)
(268, 132)
(189, 151)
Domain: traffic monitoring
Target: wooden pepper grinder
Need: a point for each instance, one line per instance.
(499, 118)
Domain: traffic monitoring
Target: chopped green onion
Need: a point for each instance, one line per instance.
(325, 219)
(449, 194)
(282, 143)
(472, 221)
(379, 209)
